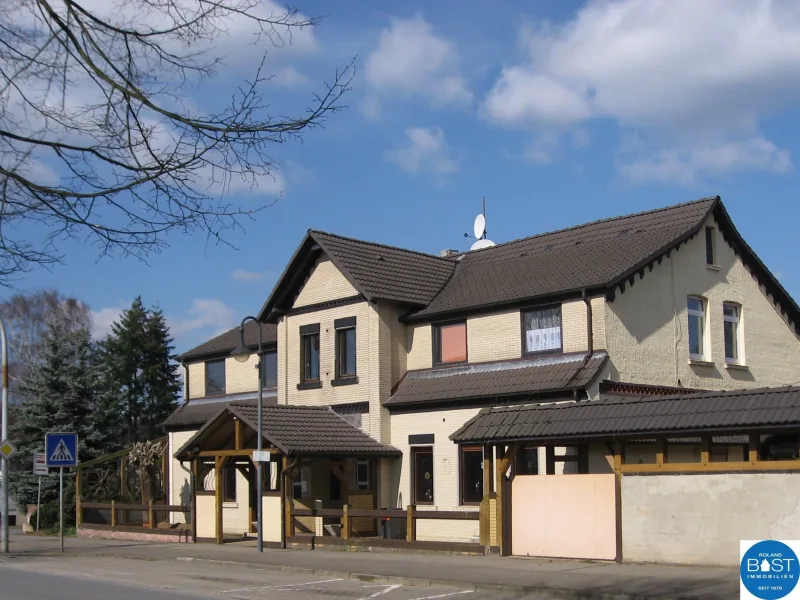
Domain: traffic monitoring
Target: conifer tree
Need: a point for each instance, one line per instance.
(140, 368)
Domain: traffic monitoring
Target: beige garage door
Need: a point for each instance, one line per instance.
(564, 516)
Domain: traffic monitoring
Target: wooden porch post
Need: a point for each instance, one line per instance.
(288, 501)
(219, 462)
(504, 459)
(237, 434)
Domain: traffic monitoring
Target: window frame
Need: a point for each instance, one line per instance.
(711, 246)
(462, 450)
(308, 332)
(363, 484)
(224, 377)
(263, 366)
(415, 452)
(518, 460)
(524, 331)
(437, 342)
(341, 327)
(737, 320)
(691, 312)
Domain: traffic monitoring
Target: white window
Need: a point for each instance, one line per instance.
(731, 314)
(362, 474)
(697, 327)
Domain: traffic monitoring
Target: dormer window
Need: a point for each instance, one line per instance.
(541, 330)
(215, 377)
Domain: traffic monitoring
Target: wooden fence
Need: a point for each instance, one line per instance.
(345, 515)
(152, 514)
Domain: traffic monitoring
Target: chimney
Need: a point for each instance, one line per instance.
(448, 252)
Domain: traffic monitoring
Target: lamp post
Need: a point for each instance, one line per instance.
(242, 354)
(4, 432)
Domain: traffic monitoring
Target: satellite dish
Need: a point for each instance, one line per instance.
(482, 244)
(480, 226)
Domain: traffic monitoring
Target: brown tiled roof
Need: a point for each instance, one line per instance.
(729, 412)
(311, 430)
(587, 256)
(224, 343)
(197, 412)
(500, 379)
(386, 272)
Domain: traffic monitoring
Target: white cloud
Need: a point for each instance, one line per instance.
(204, 314)
(696, 77)
(243, 275)
(411, 60)
(290, 77)
(103, 319)
(426, 153)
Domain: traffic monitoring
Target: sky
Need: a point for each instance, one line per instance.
(556, 112)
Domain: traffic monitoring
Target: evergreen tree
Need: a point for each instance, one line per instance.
(140, 368)
(60, 394)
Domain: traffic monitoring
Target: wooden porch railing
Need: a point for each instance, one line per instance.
(115, 507)
(411, 514)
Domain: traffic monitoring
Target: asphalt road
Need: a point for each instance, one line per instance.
(126, 579)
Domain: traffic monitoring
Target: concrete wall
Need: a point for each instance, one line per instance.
(699, 519)
(180, 489)
(441, 423)
(646, 327)
(564, 516)
(324, 284)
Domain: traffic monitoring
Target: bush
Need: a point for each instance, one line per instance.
(48, 516)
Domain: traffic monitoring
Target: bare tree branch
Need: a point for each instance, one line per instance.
(96, 142)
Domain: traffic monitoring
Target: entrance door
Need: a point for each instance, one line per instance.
(564, 516)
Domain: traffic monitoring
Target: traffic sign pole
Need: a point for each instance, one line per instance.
(38, 503)
(4, 434)
(61, 505)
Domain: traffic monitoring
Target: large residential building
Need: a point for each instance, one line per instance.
(408, 348)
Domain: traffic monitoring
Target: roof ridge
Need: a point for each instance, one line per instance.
(380, 245)
(595, 222)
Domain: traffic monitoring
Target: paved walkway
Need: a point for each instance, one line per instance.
(558, 578)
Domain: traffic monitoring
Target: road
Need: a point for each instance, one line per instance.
(126, 579)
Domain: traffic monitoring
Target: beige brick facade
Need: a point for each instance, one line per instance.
(420, 346)
(324, 284)
(494, 337)
(179, 478)
(197, 379)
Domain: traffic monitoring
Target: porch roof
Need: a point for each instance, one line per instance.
(295, 430)
(529, 376)
(764, 409)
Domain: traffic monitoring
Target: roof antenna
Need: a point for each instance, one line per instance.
(479, 229)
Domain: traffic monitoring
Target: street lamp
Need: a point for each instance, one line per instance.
(242, 354)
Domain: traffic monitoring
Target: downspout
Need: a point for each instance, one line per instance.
(589, 341)
(282, 485)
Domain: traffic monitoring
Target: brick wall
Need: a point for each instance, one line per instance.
(324, 284)
(494, 337)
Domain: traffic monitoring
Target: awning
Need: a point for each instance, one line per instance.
(295, 430)
(527, 377)
(764, 409)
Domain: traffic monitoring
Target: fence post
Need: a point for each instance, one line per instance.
(345, 522)
(151, 515)
(411, 524)
(78, 508)
(113, 513)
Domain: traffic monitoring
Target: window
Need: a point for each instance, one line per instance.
(269, 369)
(422, 475)
(362, 474)
(345, 347)
(471, 475)
(215, 377)
(229, 484)
(450, 343)
(710, 246)
(309, 353)
(300, 483)
(336, 487)
(542, 329)
(527, 462)
(697, 327)
(730, 321)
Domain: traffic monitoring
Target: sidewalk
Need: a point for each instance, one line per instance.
(555, 578)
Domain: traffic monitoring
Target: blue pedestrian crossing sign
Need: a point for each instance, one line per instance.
(61, 449)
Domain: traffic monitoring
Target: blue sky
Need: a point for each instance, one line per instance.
(557, 112)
